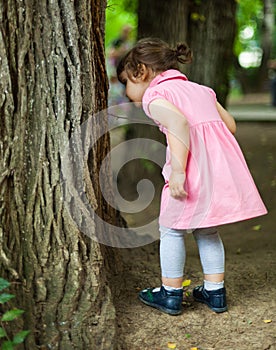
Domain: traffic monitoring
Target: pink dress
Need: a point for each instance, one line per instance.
(219, 185)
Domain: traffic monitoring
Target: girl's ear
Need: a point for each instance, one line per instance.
(142, 72)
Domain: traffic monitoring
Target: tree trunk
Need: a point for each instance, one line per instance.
(166, 20)
(52, 80)
(207, 26)
(211, 36)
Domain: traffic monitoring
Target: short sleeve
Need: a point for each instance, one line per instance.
(150, 95)
(212, 92)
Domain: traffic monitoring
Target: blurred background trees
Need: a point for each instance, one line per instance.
(232, 40)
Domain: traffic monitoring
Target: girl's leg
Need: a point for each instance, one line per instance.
(212, 257)
(168, 298)
(172, 256)
(211, 252)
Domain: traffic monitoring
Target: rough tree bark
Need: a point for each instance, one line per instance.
(52, 80)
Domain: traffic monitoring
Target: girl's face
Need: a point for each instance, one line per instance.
(135, 87)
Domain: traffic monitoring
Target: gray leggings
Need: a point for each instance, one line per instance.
(173, 252)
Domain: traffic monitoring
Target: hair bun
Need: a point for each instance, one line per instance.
(183, 53)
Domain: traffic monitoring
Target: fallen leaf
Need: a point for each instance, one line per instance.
(267, 321)
(256, 227)
(171, 345)
(194, 348)
(186, 283)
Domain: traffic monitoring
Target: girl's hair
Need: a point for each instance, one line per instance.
(154, 54)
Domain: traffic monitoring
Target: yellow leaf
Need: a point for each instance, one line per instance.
(195, 16)
(267, 321)
(273, 183)
(171, 345)
(194, 348)
(186, 283)
(257, 228)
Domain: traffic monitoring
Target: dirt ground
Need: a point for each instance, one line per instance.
(250, 323)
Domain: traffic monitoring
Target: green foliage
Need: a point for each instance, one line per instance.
(248, 10)
(249, 15)
(148, 165)
(4, 297)
(118, 14)
(8, 316)
(3, 284)
(11, 315)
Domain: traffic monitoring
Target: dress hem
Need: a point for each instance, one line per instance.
(217, 223)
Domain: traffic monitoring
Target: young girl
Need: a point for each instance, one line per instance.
(207, 182)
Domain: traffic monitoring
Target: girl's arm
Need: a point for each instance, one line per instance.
(227, 118)
(177, 126)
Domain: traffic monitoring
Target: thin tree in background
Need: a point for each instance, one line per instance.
(163, 19)
(211, 34)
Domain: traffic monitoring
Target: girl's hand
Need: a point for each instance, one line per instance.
(176, 184)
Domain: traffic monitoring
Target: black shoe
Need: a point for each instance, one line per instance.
(215, 299)
(169, 302)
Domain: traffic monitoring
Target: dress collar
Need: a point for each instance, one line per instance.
(167, 75)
